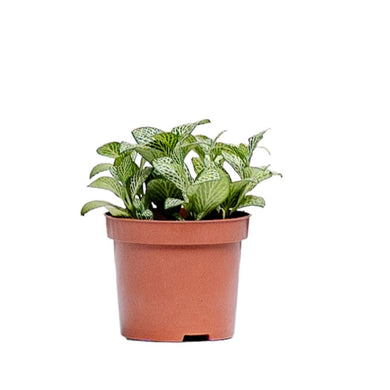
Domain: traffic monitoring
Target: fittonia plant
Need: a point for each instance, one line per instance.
(153, 180)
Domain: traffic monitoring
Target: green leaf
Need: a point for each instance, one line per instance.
(235, 161)
(252, 143)
(109, 150)
(108, 183)
(197, 164)
(256, 174)
(237, 189)
(203, 139)
(207, 174)
(138, 179)
(206, 197)
(252, 200)
(243, 150)
(149, 154)
(165, 142)
(144, 135)
(147, 214)
(124, 168)
(171, 171)
(185, 145)
(160, 189)
(172, 202)
(188, 128)
(115, 211)
(99, 168)
(127, 148)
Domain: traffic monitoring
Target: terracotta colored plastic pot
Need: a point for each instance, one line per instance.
(177, 280)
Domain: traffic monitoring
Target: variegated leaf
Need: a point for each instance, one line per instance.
(115, 211)
(237, 190)
(188, 128)
(144, 135)
(219, 147)
(257, 174)
(218, 161)
(124, 168)
(147, 214)
(171, 171)
(207, 174)
(243, 149)
(235, 161)
(99, 168)
(108, 183)
(207, 196)
(252, 143)
(203, 139)
(138, 179)
(149, 154)
(110, 149)
(172, 202)
(126, 147)
(197, 164)
(160, 189)
(252, 200)
(144, 214)
(185, 145)
(165, 142)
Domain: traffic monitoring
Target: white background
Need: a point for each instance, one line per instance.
(313, 309)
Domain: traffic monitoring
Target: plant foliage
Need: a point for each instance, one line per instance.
(153, 177)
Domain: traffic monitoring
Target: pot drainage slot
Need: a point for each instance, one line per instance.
(196, 337)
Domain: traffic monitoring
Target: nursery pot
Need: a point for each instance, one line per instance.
(177, 280)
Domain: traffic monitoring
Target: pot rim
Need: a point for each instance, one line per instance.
(244, 215)
(165, 232)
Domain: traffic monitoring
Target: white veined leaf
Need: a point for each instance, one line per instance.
(171, 171)
(243, 149)
(188, 128)
(124, 168)
(257, 174)
(160, 189)
(148, 153)
(115, 211)
(218, 160)
(207, 196)
(144, 135)
(165, 142)
(110, 149)
(235, 161)
(127, 147)
(172, 202)
(99, 168)
(138, 179)
(252, 200)
(108, 183)
(144, 214)
(237, 190)
(219, 147)
(147, 214)
(207, 174)
(137, 204)
(197, 164)
(252, 143)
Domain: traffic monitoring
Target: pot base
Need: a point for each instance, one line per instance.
(185, 339)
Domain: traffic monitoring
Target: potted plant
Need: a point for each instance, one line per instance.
(178, 231)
